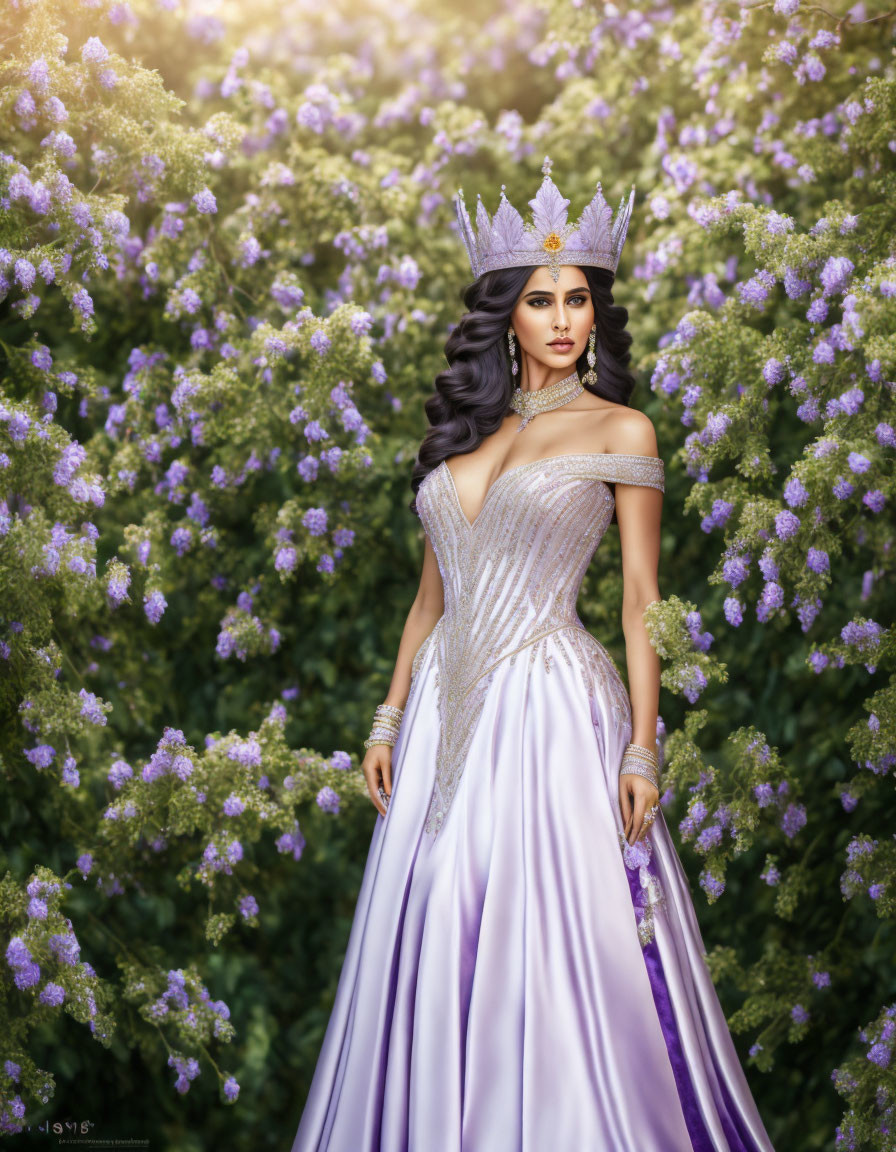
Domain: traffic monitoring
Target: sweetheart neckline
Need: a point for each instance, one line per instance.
(528, 464)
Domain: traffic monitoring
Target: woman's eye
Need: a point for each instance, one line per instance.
(544, 300)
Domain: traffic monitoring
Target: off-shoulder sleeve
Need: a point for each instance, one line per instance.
(621, 468)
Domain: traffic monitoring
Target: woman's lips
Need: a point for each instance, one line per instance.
(561, 345)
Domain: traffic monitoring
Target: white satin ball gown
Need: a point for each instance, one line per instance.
(517, 978)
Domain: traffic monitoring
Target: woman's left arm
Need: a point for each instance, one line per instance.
(638, 511)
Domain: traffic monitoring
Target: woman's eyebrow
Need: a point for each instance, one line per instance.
(544, 292)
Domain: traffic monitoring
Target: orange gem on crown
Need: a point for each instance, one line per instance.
(552, 242)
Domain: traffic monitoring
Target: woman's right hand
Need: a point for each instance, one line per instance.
(377, 768)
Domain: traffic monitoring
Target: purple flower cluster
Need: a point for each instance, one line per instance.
(246, 752)
(171, 758)
(711, 885)
(690, 680)
(718, 517)
(18, 957)
(793, 819)
(880, 1042)
(327, 799)
(220, 855)
(248, 906)
(292, 841)
(770, 874)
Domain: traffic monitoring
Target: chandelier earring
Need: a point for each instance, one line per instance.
(514, 367)
(590, 377)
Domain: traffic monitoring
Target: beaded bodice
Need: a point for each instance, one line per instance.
(511, 577)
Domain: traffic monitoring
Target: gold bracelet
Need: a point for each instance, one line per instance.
(635, 748)
(386, 725)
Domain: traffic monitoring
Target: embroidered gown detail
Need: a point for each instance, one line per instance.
(517, 977)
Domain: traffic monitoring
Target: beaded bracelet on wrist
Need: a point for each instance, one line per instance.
(386, 725)
(636, 752)
(640, 761)
(380, 736)
(640, 750)
(632, 769)
(643, 757)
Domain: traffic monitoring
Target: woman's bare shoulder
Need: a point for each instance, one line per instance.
(628, 430)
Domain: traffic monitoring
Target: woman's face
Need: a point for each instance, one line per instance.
(547, 313)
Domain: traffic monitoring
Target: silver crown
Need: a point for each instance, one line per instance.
(505, 241)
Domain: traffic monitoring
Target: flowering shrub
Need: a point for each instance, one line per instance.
(226, 276)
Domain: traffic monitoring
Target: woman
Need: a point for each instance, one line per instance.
(525, 971)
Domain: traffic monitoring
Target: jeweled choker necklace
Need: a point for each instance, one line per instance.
(530, 404)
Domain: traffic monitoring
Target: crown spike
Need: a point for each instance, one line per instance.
(467, 234)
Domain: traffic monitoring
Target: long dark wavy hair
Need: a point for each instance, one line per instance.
(472, 395)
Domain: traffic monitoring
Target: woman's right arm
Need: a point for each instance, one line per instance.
(425, 611)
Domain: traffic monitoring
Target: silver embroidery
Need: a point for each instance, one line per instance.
(511, 578)
(423, 649)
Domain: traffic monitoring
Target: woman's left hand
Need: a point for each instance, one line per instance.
(636, 796)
